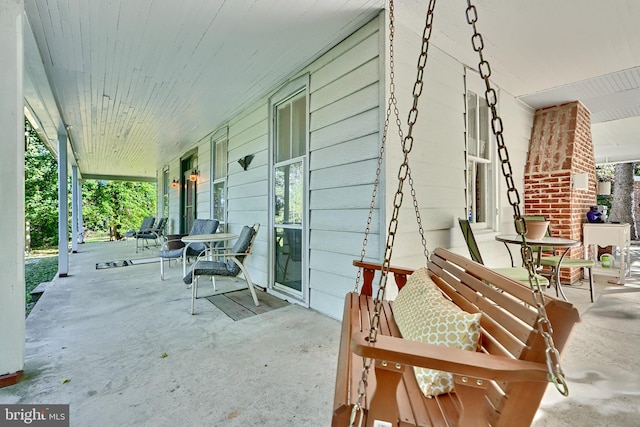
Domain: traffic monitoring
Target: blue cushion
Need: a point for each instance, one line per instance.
(241, 245)
(207, 268)
(170, 253)
(201, 226)
(226, 268)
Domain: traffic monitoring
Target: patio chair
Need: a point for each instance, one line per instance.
(553, 261)
(155, 234)
(231, 265)
(173, 246)
(520, 274)
(146, 226)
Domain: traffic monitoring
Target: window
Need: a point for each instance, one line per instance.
(481, 180)
(289, 111)
(219, 174)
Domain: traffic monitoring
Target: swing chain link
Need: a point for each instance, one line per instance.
(404, 171)
(391, 103)
(555, 374)
(416, 208)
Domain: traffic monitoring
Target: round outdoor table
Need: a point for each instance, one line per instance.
(207, 239)
(554, 242)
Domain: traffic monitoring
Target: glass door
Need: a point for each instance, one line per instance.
(189, 187)
(289, 192)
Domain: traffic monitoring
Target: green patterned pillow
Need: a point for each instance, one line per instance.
(423, 314)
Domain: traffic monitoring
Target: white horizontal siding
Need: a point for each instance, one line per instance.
(365, 147)
(363, 124)
(346, 175)
(247, 190)
(347, 103)
(344, 144)
(344, 220)
(437, 158)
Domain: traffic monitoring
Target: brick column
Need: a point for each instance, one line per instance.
(561, 146)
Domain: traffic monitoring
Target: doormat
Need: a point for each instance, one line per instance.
(112, 264)
(239, 304)
(125, 263)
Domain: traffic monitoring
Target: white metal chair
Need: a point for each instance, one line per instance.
(154, 233)
(230, 264)
(173, 248)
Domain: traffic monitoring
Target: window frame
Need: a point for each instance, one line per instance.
(490, 216)
(218, 138)
(166, 188)
(289, 92)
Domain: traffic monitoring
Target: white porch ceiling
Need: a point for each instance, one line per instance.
(139, 80)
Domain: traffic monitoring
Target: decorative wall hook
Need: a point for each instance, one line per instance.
(245, 161)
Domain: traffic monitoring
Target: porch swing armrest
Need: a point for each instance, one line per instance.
(378, 267)
(369, 268)
(460, 362)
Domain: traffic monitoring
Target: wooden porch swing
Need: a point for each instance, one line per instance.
(521, 331)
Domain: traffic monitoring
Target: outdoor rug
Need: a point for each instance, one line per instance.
(125, 263)
(239, 305)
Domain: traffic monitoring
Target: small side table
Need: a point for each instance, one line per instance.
(606, 234)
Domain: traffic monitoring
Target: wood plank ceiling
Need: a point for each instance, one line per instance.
(137, 81)
(140, 80)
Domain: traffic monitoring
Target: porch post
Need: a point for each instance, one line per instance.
(63, 208)
(74, 209)
(12, 227)
(80, 223)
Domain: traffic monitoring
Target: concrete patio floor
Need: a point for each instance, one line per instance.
(97, 340)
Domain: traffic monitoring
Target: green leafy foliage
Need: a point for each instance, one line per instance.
(116, 205)
(41, 191)
(107, 206)
(36, 271)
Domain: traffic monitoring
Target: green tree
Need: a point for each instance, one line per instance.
(106, 205)
(622, 204)
(41, 191)
(116, 206)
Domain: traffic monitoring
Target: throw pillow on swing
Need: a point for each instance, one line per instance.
(423, 314)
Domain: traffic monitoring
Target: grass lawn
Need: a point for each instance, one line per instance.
(40, 266)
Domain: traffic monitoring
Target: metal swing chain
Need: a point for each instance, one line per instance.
(555, 374)
(403, 173)
(392, 102)
(366, 363)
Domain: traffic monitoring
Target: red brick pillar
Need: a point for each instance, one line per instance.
(560, 147)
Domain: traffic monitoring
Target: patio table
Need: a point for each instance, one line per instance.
(554, 242)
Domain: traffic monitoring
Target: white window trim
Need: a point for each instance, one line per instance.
(289, 90)
(474, 83)
(218, 135)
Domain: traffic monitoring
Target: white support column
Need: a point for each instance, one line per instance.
(12, 286)
(80, 221)
(63, 207)
(74, 209)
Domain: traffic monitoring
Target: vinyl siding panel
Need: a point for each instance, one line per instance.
(437, 159)
(247, 191)
(347, 102)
